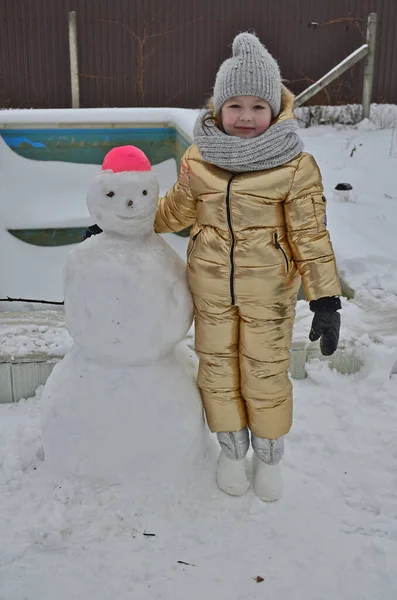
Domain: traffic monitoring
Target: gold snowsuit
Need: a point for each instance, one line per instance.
(255, 236)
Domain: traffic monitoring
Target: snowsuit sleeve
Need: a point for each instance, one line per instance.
(177, 210)
(305, 216)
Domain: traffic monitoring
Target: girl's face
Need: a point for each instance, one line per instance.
(246, 116)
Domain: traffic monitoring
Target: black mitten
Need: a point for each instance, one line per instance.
(326, 323)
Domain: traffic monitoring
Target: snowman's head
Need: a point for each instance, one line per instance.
(123, 197)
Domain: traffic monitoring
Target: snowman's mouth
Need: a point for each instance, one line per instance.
(123, 218)
(132, 218)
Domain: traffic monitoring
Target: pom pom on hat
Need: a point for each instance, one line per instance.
(126, 158)
(246, 42)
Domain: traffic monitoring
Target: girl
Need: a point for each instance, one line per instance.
(255, 202)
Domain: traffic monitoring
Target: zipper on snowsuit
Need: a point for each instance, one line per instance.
(229, 222)
(279, 247)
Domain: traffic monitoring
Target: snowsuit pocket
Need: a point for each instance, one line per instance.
(281, 249)
(320, 208)
(191, 245)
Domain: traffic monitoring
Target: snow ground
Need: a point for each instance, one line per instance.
(332, 536)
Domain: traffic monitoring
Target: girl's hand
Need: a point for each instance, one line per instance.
(326, 323)
(326, 327)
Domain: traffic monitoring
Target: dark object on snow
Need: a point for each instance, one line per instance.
(343, 187)
(345, 192)
(92, 230)
(326, 323)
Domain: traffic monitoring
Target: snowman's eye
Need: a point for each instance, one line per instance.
(144, 192)
(110, 194)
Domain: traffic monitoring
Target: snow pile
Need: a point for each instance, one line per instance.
(31, 340)
(33, 333)
(383, 116)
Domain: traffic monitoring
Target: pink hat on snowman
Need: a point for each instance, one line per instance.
(126, 158)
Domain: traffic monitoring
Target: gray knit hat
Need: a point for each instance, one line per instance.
(251, 71)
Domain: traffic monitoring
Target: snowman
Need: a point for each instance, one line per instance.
(123, 405)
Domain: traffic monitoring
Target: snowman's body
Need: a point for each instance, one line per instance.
(123, 405)
(126, 299)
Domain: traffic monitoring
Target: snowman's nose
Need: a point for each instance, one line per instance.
(130, 203)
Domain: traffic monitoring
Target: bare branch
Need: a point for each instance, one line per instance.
(156, 14)
(96, 76)
(351, 20)
(124, 26)
(29, 300)
(170, 99)
(149, 54)
(143, 57)
(310, 81)
(153, 35)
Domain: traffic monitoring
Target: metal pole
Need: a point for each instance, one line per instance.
(74, 60)
(369, 64)
(333, 74)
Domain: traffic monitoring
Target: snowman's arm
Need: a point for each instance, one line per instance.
(92, 230)
(177, 210)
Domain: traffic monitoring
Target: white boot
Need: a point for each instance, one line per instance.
(231, 476)
(268, 480)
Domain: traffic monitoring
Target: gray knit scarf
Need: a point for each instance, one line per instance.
(275, 147)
